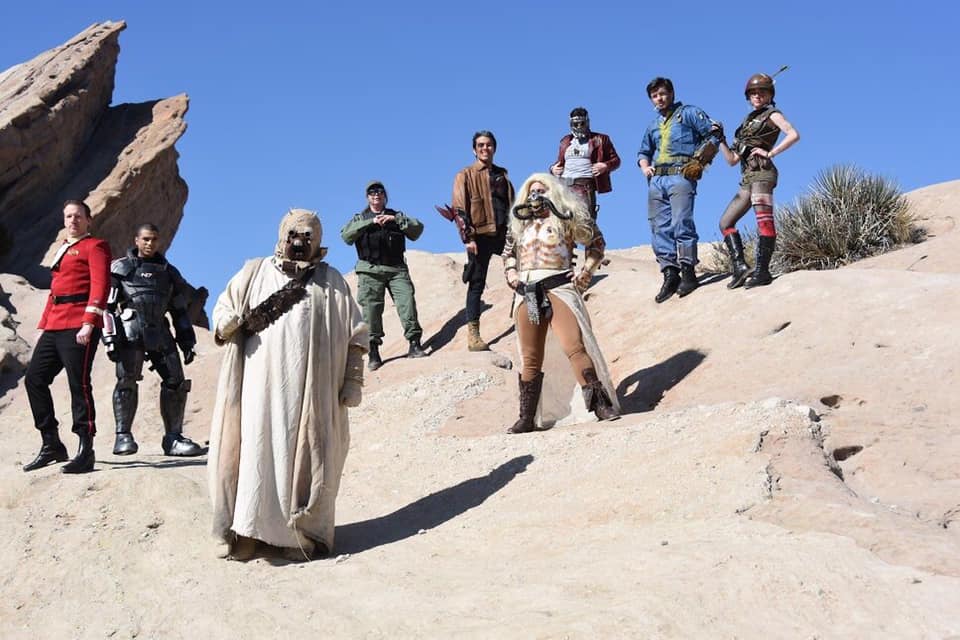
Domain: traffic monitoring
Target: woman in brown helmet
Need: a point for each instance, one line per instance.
(754, 146)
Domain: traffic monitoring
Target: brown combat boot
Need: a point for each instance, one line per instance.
(474, 341)
(529, 399)
(596, 398)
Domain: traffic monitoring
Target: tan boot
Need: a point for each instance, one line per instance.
(474, 341)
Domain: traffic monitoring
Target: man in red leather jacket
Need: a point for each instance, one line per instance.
(585, 160)
(70, 326)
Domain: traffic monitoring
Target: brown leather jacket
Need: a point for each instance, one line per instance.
(601, 150)
(471, 193)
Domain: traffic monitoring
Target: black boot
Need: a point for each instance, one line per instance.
(416, 351)
(671, 280)
(173, 403)
(125, 445)
(596, 398)
(124, 410)
(688, 280)
(738, 264)
(761, 275)
(52, 450)
(83, 461)
(529, 399)
(375, 361)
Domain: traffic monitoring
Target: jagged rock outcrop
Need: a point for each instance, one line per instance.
(60, 139)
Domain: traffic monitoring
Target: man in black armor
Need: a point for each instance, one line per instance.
(143, 288)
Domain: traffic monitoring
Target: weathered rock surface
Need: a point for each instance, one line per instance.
(49, 109)
(60, 139)
(14, 350)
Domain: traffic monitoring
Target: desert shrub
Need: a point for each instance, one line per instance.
(847, 215)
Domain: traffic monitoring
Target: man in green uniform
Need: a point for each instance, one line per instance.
(380, 235)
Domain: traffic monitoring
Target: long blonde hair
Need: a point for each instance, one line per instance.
(566, 201)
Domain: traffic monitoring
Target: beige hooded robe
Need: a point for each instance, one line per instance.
(279, 435)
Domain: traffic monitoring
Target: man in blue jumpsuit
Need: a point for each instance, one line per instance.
(668, 146)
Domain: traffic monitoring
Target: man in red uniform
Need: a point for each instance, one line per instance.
(70, 327)
(585, 160)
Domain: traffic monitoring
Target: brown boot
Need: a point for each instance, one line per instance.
(596, 398)
(529, 399)
(474, 341)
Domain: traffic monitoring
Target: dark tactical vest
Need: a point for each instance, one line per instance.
(146, 291)
(382, 244)
(756, 130)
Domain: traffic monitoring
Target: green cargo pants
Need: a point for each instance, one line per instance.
(371, 289)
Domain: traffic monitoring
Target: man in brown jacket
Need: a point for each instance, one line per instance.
(482, 195)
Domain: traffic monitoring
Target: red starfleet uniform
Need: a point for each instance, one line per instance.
(78, 291)
(78, 295)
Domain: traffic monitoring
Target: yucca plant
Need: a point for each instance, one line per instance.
(847, 215)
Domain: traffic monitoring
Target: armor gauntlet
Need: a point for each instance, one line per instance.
(594, 258)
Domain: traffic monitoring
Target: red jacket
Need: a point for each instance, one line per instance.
(601, 150)
(79, 268)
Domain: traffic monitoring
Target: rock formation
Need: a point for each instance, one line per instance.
(60, 139)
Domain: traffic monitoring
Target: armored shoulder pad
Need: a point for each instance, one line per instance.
(122, 266)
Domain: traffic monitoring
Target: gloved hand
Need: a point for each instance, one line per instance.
(113, 353)
(582, 280)
(513, 279)
(351, 393)
(692, 169)
(716, 129)
(188, 354)
(227, 328)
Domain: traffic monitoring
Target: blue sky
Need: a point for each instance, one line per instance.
(301, 103)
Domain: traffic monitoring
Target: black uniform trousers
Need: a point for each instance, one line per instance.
(56, 351)
(475, 274)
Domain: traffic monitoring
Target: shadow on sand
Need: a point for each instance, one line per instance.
(653, 382)
(427, 512)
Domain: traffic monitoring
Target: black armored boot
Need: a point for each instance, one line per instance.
(688, 280)
(52, 450)
(173, 403)
(761, 275)
(595, 397)
(671, 280)
(738, 264)
(375, 361)
(529, 399)
(416, 350)
(83, 461)
(124, 409)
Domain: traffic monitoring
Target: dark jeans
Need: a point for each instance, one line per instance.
(477, 265)
(56, 351)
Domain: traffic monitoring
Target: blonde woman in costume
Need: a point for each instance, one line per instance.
(547, 221)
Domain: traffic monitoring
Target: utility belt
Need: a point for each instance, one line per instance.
(72, 297)
(667, 171)
(535, 295)
(590, 183)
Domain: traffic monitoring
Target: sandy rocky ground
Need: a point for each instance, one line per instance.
(789, 467)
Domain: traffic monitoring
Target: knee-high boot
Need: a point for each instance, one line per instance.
(596, 398)
(529, 399)
(761, 275)
(738, 264)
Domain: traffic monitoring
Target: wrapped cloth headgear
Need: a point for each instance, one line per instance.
(298, 245)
